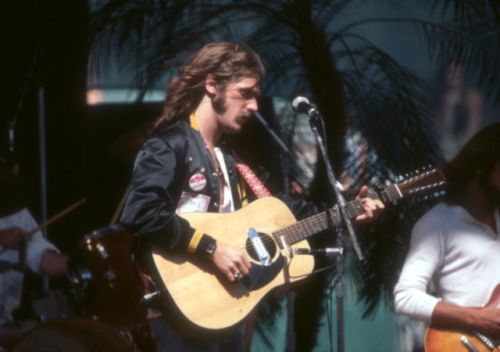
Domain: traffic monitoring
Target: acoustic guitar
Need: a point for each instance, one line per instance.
(271, 237)
(440, 339)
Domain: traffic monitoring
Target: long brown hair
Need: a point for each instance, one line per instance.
(481, 152)
(226, 62)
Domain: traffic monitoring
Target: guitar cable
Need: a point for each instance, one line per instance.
(312, 272)
(329, 309)
(148, 297)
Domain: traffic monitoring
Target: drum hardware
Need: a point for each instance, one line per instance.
(105, 282)
(94, 243)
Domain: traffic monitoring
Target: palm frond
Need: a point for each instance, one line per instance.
(373, 106)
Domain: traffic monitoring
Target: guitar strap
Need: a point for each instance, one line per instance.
(251, 179)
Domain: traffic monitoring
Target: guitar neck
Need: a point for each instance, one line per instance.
(305, 228)
(428, 180)
(328, 219)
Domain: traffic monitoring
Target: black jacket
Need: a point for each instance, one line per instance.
(162, 172)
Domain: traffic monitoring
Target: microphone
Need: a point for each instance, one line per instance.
(302, 105)
(333, 251)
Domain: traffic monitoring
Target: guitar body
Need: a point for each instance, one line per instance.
(439, 339)
(442, 340)
(203, 295)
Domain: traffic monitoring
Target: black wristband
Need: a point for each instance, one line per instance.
(207, 245)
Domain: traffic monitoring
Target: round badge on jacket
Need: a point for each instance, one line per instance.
(197, 182)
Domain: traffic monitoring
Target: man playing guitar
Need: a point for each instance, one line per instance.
(456, 246)
(186, 168)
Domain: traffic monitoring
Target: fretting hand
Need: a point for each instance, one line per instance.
(373, 207)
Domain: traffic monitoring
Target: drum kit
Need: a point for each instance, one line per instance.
(106, 296)
(106, 292)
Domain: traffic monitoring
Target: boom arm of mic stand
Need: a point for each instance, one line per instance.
(314, 118)
(290, 160)
(273, 134)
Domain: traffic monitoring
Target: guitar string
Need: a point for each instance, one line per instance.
(305, 225)
(309, 226)
(289, 231)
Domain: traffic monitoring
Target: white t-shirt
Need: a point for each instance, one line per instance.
(461, 257)
(228, 203)
(11, 281)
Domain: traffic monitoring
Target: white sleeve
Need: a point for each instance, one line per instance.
(425, 255)
(37, 246)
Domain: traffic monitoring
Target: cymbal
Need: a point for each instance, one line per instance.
(125, 148)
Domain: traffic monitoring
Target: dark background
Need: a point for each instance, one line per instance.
(47, 53)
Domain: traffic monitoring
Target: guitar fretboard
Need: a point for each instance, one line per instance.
(305, 228)
(320, 222)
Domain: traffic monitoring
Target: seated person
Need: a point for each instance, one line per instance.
(19, 249)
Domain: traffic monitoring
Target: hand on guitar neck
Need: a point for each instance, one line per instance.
(372, 207)
(231, 261)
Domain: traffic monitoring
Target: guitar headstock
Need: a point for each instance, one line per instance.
(428, 182)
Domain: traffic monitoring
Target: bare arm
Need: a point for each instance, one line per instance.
(485, 320)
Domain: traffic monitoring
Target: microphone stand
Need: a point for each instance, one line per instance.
(315, 118)
(286, 162)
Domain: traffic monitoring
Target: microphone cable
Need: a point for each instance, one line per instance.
(146, 298)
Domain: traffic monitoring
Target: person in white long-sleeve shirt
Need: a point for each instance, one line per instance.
(20, 250)
(456, 245)
(42, 257)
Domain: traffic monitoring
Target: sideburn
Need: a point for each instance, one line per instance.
(219, 101)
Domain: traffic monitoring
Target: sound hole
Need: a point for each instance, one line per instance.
(268, 243)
